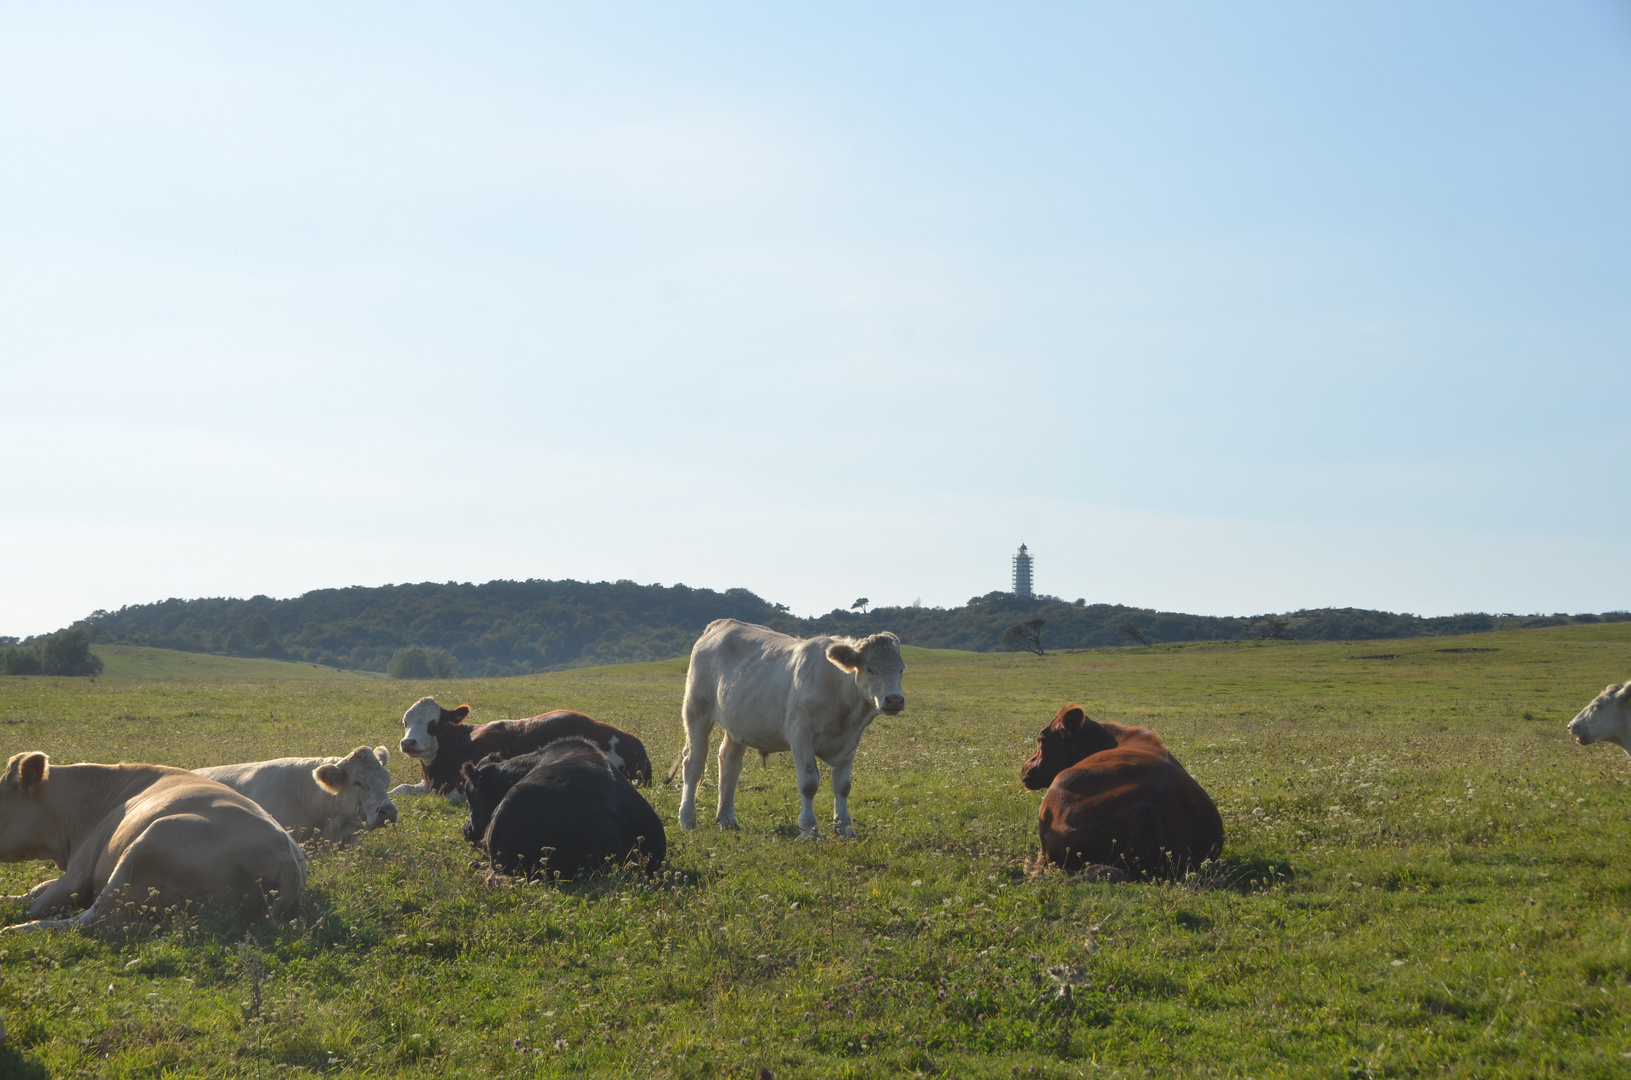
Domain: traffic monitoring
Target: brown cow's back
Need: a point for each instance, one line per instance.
(460, 743)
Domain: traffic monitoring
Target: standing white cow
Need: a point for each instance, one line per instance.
(331, 797)
(1606, 719)
(812, 696)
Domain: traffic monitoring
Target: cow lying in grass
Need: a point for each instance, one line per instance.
(563, 809)
(136, 841)
(770, 692)
(443, 743)
(1606, 719)
(328, 797)
(1117, 797)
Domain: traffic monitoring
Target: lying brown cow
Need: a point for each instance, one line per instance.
(443, 742)
(1117, 797)
(134, 841)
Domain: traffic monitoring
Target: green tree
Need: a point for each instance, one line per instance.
(19, 660)
(422, 662)
(68, 652)
(257, 630)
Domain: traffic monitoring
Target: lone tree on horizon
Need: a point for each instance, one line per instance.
(1025, 636)
(860, 605)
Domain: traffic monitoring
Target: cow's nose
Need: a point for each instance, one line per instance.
(409, 745)
(387, 813)
(894, 703)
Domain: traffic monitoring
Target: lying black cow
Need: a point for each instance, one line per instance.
(563, 809)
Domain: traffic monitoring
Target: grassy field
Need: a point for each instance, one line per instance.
(136, 662)
(1423, 876)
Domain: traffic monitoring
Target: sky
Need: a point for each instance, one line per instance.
(1226, 309)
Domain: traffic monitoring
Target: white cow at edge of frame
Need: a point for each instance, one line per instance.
(811, 696)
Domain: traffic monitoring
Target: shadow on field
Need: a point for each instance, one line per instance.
(1231, 873)
(14, 1064)
(1238, 874)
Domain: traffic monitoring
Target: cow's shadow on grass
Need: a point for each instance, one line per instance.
(1240, 874)
(16, 1065)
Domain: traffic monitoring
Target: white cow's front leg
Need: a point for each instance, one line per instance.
(730, 770)
(409, 789)
(840, 792)
(804, 764)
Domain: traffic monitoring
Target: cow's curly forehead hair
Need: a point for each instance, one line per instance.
(879, 646)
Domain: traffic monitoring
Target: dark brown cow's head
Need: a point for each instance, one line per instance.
(423, 722)
(1070, 738)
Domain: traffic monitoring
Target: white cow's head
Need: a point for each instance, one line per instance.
(423, 722)
(23, 825)
(360, 779)
(1606, 719)
(876, 667)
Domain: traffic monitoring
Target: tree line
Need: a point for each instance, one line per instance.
(66, 652)
(442, 630)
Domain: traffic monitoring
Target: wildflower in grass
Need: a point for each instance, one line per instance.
(1066, 976)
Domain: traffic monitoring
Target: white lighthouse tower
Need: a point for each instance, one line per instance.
(1022, 574)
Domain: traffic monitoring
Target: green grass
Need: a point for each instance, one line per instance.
(137, 662)
(1423, 877)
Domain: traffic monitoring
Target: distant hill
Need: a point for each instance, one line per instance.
(520, 627)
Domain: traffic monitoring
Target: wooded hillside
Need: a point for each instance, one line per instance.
(520, 627)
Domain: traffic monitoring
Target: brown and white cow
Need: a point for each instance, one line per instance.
(134, 841)
(329, 797)
(1606, 719)
(442, 742)
(770, 692)
(1117, 797)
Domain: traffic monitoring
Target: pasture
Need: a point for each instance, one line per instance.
(1423, 876)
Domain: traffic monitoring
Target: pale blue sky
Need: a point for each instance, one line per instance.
(1221, 308)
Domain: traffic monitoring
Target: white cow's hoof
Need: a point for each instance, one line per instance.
(729, 823)
(845, 829)
(688, 819)
(812, 833)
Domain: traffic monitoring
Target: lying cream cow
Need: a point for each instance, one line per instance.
(1606, 719)
(334, 798)
(133, 841)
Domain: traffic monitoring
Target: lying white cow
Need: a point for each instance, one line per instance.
(1606, 719)
(135, 841)
(334, 798)
(771, 692)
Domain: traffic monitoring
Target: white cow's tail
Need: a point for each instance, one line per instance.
(675, 769)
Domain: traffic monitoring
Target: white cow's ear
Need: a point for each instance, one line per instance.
(29, 768)
(330, 778)
(383, 754)
(844, 655)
